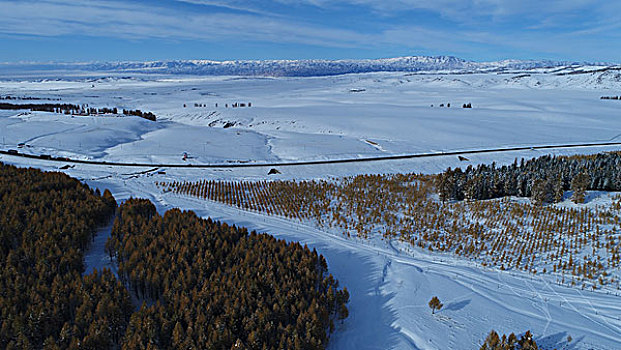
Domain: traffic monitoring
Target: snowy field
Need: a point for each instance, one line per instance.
(358, 115)
(339, 117)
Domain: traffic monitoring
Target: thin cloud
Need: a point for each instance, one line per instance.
(472, 11)
(135, 21)
(468, 28)
(242, 6)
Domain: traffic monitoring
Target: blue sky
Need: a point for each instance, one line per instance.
(481, 30)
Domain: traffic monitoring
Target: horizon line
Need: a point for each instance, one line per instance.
(232, 60)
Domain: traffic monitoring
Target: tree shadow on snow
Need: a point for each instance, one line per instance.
(558, 341)
(457, 305)
(589, 196)
(369, 325)
(594, 195)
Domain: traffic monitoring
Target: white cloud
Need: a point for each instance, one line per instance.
(546, 32)
(473, 11)
(570, 15)
(136, 21)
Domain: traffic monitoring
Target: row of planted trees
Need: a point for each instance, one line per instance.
(579, 245)
(72, 109)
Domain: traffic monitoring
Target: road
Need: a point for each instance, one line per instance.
(310, 162)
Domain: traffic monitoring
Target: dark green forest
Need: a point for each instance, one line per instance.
(47, 220)
(215, 286)
(543, 179)
(203, 284)
(67, 108)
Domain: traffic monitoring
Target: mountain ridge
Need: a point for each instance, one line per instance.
(300, 68)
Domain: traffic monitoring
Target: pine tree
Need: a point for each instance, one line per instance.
(435, 304)
(491, 341)
(527, 343)
(494, 342)
(539, 194)
(559, 190)
(579, 185)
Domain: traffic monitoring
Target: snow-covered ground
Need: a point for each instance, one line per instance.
(390, 288)
(339, 117)
(335, 117)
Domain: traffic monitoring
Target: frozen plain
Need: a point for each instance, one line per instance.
(335, 118)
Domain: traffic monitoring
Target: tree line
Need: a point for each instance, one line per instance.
(544, 179)
(72, 109)
(28, 98)
(214, 286)
(146, 115)
(495, 342)
(42, 107)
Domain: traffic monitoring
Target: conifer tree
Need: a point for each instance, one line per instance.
(435, 304)
(559, 190)
(579, 185)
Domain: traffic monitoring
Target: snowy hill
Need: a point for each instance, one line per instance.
(304, 68)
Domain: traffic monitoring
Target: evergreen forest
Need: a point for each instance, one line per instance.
(208, 285)
(202, 284)
(47, 220)
(543, 179)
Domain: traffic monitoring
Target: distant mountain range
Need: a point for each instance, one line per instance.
(300, 68)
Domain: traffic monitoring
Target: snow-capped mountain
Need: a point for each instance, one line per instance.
(298, 68)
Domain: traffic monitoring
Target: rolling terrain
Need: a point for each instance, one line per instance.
(366, 114)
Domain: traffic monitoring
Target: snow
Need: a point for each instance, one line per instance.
(316, 118)
(96, 257)
(390, 290)
(78, 137)
(296, 119)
